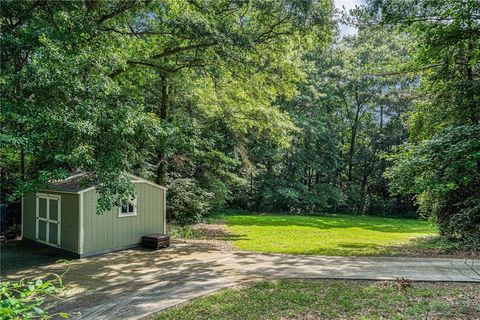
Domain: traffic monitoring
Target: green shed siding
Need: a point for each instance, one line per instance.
(29, 216)
(69, 219)
(108, 231)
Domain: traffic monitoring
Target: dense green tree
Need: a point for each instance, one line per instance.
(368, 104)
(347, 112)
(440, 164)
(301, 177)
(248, 103)
(99, 85)
(60, 109)
(443, 173)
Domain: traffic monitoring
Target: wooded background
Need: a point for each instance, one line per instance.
(259, 105)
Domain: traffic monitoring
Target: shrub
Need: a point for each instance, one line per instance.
(444, 176)
(24, 299)
(187, 201)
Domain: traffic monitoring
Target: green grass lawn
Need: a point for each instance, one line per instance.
(338, 235)
(335, 299)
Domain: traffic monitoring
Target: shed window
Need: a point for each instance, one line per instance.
(128, 209)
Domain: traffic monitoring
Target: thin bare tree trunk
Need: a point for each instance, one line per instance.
(22, 164)
(163, 115)
(164, 105)
(353, 140)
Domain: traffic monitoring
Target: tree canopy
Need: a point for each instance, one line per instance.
(251, 104)
(440, 163)
(113, 86)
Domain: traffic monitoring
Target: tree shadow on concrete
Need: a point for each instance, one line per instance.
(131, 282)
(134, 283)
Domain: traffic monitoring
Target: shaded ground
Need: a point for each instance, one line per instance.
(133, 283)
(19, 255)
(335, 299)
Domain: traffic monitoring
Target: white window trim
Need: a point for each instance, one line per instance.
(132, 214)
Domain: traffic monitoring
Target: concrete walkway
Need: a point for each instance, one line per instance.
(132, 284)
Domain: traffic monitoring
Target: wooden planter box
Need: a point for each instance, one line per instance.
(156, 241)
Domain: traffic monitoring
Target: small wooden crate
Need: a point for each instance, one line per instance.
(156, 241)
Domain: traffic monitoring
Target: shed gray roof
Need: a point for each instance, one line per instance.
(82, 181)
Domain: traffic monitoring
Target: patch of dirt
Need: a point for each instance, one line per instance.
(212, 231)
(214, 244)
(211, 236)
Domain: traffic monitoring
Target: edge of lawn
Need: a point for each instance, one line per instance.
(400, 284)
(424, 246)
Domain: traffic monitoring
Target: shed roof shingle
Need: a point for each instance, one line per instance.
(76, 183)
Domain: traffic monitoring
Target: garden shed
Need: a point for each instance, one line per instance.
(64, 216)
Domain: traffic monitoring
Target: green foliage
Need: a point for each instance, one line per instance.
(347, 114)
(182, 231)
(302, 176)
(60, 108)
(188, 201)
(443, 174)
(25, 299)
(112, 87)
(447, 58)
(439, 165)
(249, 104)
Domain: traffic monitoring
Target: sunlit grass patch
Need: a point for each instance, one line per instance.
(323, 235)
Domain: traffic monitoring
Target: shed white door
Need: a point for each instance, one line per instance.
(48, 219)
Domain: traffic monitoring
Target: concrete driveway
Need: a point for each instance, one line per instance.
(132, 284)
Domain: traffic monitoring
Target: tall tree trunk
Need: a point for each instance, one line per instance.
(472, 105)
(310, 178)
(363, 194)
(23, 174)
(305, 175)
(381, 117)
(161, 170)
(353, 140)
(318, 151)
(251, 181)
(351, 151)
(164, 105)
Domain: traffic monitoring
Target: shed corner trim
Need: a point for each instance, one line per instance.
(80, 223)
